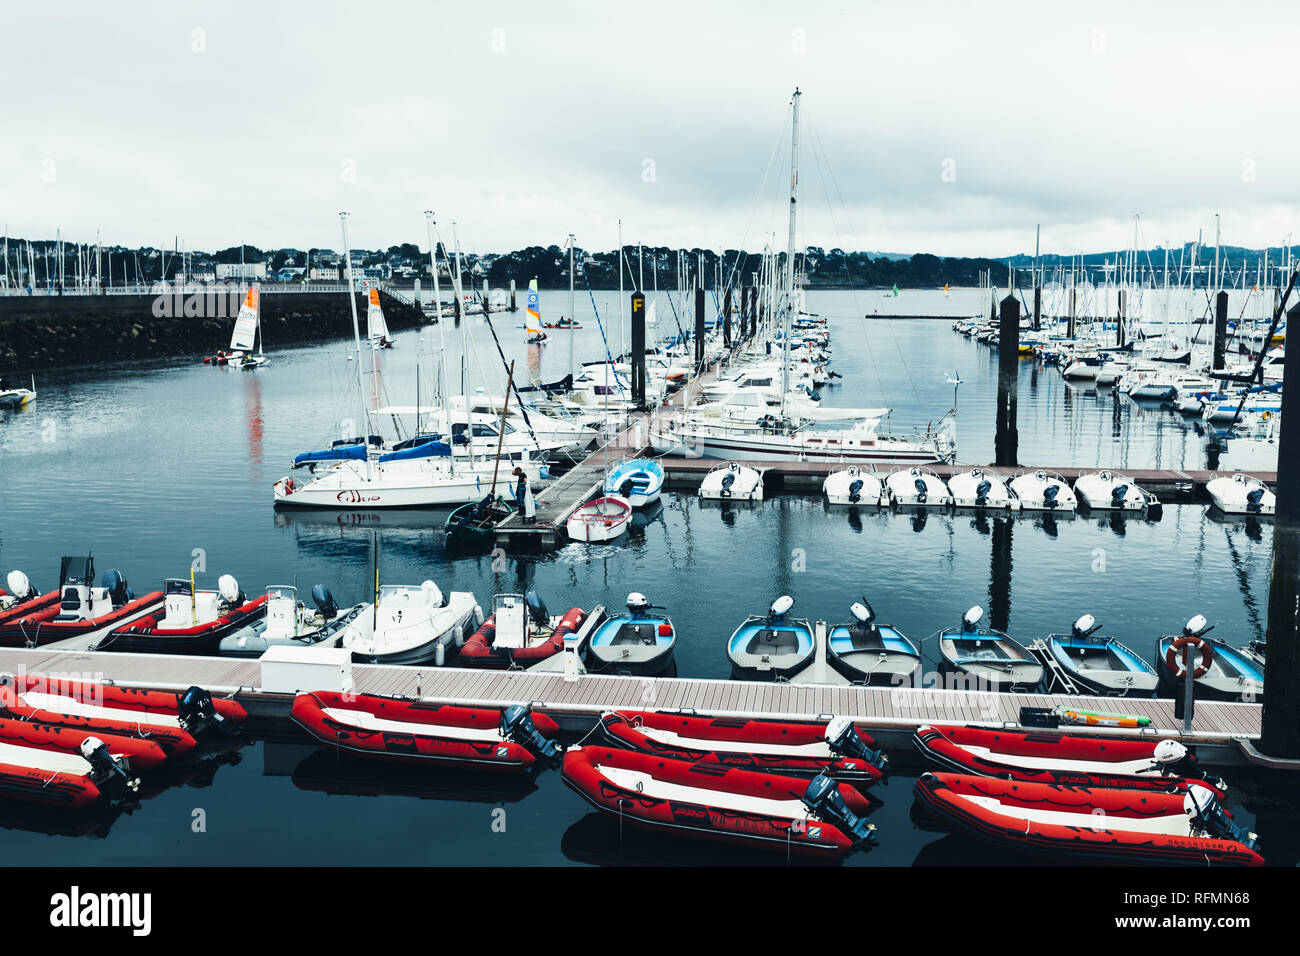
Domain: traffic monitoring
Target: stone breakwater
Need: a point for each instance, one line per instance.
(44, 332)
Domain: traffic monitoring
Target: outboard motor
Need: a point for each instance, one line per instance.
(1208, 816)
(436, 598)
(1049, 496)
(845, 740)
(627, 487)
(728, 480)
(780, 608)
(1083, 627)
(982, 491)
(114, 584)
(862, 612)
(196, 711)
(230, 592)
(1117, 495)
(855, 490)
(824, 799)
(20, 588)
(104, 766)
(324, 601)
(1253, 499)
(637, 604)
(537, 608)
(920, 489)
(1172, 759)
(517, 725)
(1197, 627)
(970, 622)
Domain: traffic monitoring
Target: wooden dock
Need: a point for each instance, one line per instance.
(1222, 732)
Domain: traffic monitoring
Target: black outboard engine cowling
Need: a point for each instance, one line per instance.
(845, 740)
(1049, 495)
(855, 490)
(324, 601)
(104, 767)
(920, 489)
(1118, 494)
(196, 712)
(627, 487)
(727, 481)
(982, 491)
(824, 799)
(1207, 813)
(1253, 499)
(115, 584)
(537, 608)
(517, 725)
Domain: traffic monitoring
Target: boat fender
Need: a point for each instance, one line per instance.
(517, 725)
(324, 601)
(1173, 659)
(845, 740)
(1208, 815)
(823, 799)
(196, 711)
(104, 766)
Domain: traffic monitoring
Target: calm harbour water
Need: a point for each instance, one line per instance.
(143, 465)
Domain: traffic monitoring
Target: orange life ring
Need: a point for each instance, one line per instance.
(1173, 660)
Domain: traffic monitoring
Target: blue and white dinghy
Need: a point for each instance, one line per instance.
(1102, 664)
(770, 646)
(639, 480)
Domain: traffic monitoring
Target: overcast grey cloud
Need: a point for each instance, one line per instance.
(944, 127)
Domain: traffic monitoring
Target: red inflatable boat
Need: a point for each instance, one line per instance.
(190, 622)
(727, 804)
(1104, 825)
(1096, 761)
(142, 755)
(526, 637)
(169, 719)
(78, 609)
(836, 747)
(484, 738)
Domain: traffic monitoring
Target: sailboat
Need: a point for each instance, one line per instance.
(246, 334)
(533, 324)
(376, 327)
(16, 397)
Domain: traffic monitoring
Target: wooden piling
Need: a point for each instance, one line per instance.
(1281, 720)
(1006, 439)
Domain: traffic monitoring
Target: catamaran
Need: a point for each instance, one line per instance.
(533, 324)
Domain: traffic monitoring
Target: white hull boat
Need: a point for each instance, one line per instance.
(917, 488)
(732, 482)
(1109, 491)
(1241, 495)
(599, 520)
(411, 625)
(1044, 491)
(858, 445)
(854, 486)
(978, 489)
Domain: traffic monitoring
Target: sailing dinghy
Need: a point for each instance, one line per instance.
(376, 326)
(246, 334)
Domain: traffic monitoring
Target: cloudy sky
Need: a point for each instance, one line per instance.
(950, 128)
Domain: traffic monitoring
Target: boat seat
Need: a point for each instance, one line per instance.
(769, 641)
(639, 632)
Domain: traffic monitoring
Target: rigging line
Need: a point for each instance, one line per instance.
(777, 147)
(519, 401)
(604, 341)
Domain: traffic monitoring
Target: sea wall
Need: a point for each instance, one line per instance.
(44, 332)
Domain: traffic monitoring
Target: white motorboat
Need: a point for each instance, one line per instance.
(732, 482)
(639, 480)
(289, 622)
(411, 625)
(918, 488)
(859, 444)
(1043, 491)
(977, 488)
(855, 486)
(1241, 495)
(1082, 368)
(1111, 491)
(599, 520)
(17, 396)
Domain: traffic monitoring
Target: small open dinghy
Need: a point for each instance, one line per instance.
(769, 647)
(289, 622)
(836, 746)
(638, 642)
(639, 481)
(171, 720)
(869, 653)
(601, 519)
(978, 489)
(1241, 495)
(507, 740)
(917, 487)
(1044, 491)
(190, 621)
(1109, 491)
(993, 659)
(1067, 759)
(855, 486)
(1102, 664)
(732, 482)
(1222, 672)
(1091, 824)
(473, 526)
(519, 633)
(77, 610)
(726, 804)
(411, 624)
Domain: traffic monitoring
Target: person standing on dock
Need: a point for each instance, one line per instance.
(524, 496)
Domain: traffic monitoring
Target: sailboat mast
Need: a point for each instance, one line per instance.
(442, 342)
(572, 315)
(464, 352)
(356, 336)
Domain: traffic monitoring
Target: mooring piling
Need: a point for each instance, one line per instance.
(1006, 439)
(638, 349)
(1220, 330)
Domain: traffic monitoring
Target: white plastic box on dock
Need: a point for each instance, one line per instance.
(293, 670)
